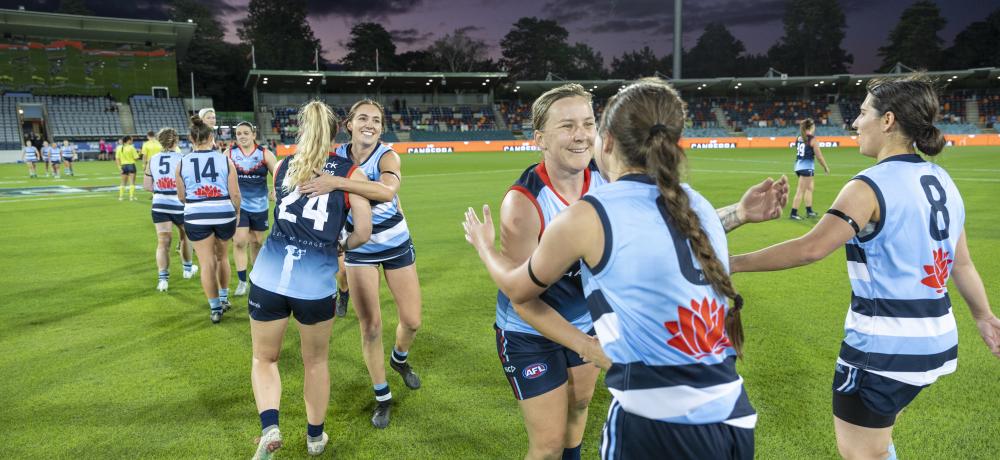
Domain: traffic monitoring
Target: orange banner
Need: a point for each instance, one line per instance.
(687, 143)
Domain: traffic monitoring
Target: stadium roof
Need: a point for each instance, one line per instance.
(116, 30)
(982, 76)
(366, 80)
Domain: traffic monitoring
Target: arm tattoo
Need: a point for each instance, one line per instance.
(729, 217)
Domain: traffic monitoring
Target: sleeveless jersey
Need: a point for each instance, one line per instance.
(299, 257)
(390, 234)
(566, 294)
(804, 153)
(30, 153)
(251, 172)
(67, 151)
(206, 187)
(900, 324)
(46, 153)
(658, 319)
(163, 169)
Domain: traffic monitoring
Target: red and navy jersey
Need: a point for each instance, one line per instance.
(299, 257)
(566, 294)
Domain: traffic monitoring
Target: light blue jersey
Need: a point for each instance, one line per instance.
(163, 170)
(390, 234)
(251, 170)
(566, 294)
(658, 319)
(67, 152)
(206, 187)
(30, 153)
(900, 324)
(299, 257)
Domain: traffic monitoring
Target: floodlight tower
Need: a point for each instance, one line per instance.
(677, 39)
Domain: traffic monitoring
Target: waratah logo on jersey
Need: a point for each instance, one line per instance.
(535, 371)
(700, 330)
(166, 183)
(938, 272)
(208, 191)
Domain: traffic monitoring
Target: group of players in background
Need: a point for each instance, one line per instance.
(609, 260)
(53, 156)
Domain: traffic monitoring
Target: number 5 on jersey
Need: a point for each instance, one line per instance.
(314, 209)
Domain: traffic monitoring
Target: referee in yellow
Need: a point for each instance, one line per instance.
(125, 158)
(149, 148)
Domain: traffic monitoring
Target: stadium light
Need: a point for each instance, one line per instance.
(190, 20)
(821, 82)
(955, 77)
(487, 80)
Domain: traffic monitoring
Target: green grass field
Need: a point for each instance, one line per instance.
(96, 363)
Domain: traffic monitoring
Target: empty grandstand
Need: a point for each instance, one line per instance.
(151, 114)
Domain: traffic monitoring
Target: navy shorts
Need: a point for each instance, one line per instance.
(257, 221)
(176, 219)
(268, 306)
(127, 169)
(223, 232)
(869, 400)
(405, 259)
(805, 172)
(70, 160)
(534, 365)
(629, 436)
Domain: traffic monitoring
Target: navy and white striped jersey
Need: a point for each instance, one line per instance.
(390, 234)
(67, 151)
(299, 257)
(251, 172)
(658, 319)
(566, 294)
(206, 187)
(30, 153)
(900, 324)
(163, 170)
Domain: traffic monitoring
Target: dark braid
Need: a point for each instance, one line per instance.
(629, 117)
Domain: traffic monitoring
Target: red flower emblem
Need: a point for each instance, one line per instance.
(208, 191)
(938, 272)
(166, 183)
(700, 331)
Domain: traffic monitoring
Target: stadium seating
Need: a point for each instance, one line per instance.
(478, 135)
(773, 112)
(152, 114)
(74, 117)
(989, 109)
(10, 132)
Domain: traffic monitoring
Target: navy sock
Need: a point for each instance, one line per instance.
(345, 294)
(809, 209)
(795, 211)
(268, 419)
(572, 454)
(382, 392)
(242, 274)
(314, 431)
(399, 356)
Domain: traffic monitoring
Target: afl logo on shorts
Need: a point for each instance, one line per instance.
(534, 371)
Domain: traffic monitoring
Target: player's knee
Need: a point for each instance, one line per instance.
(371, 330)
(265, 357)
(163, 239)
(411, 325)
(579, 405)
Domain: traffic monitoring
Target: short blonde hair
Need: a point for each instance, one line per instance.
(540, 108)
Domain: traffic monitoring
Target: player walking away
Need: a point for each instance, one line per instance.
(902, 224)
(126, 158)
(31, 156)
(550, 330)
(652, 253)
(69, 156)
(390, 246)
(253, 163)
(294, 275)
(806, 151)
(160, 178)
(206, 184)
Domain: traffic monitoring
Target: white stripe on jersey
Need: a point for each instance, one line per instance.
(747, 422)
(675, 401)
(209, 221)
(608, 328)
(387, 235)
(168, 211)
(858, 271)
(914, 378)
(900, 327)
(193, 205)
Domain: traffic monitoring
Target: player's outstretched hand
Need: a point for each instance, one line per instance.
(322, 184)
(989, 329)
(480, 235)
(764, 201)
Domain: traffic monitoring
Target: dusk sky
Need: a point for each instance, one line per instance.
(609, 26)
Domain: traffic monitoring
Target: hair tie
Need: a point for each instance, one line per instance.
(656, 129)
